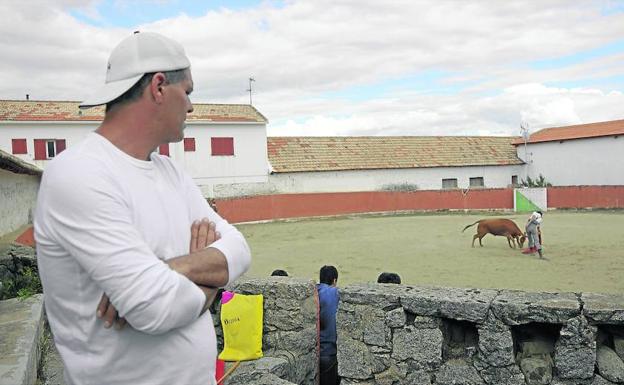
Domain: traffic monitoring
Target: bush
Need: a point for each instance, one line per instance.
(540, 181)
(399, 187)
(19, 276)
(23, 285)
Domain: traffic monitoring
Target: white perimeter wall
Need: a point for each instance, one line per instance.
(18, 195)
(248, 165)
(70, 131)
(373, 180)
(590, 161)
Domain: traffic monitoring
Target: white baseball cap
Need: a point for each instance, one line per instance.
(136, 55)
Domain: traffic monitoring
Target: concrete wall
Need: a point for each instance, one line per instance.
(590, 161)
(267, 207)
(18, 195)
(374, 180)
(21, 328)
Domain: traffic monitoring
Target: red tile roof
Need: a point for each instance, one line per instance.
(298, 154)
(579, 131)
(34, 110)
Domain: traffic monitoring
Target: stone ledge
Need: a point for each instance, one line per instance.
(511, 306)
(515, 307)
(603, 308)
(21, 326)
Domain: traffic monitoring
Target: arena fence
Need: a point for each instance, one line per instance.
(282, 206)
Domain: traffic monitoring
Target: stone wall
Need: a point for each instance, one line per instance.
(399, 335)
(18, 195)
(394, 334)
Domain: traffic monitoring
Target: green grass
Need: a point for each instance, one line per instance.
(585, 251)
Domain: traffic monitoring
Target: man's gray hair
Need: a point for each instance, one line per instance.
(136, 90)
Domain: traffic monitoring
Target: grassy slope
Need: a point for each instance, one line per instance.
(585, 251)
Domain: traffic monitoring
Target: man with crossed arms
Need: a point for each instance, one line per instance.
(115, 220)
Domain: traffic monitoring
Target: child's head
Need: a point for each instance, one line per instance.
(389, 278)
(279, 273)
(328, 275)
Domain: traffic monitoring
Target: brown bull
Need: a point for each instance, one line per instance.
(504, 227)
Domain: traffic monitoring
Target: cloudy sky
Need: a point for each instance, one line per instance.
(345, 67)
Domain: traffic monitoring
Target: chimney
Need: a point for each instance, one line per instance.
(27, 97)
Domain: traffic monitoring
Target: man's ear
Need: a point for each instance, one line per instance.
(156, 86)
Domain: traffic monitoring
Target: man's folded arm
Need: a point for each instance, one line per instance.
(217, 265)
(147, 292)
(230, 251)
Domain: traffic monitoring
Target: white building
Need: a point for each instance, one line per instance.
(398, 163)
(223, 144)
(227, 152)
(585, 154)
(19, 184)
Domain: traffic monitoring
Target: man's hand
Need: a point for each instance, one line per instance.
(204, 265)
(203, 234)
(107, 312)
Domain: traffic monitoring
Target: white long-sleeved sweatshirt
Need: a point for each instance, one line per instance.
(105, 222)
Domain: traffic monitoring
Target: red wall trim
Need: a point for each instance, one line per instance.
(586, 197)
(266, 207)
(320, 204)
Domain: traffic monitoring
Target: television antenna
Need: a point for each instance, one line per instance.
(250, 89)
(524, 131)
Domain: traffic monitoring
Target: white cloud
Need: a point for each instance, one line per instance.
(303, 50)
(535, 104)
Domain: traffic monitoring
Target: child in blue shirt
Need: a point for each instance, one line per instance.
(328, 304)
